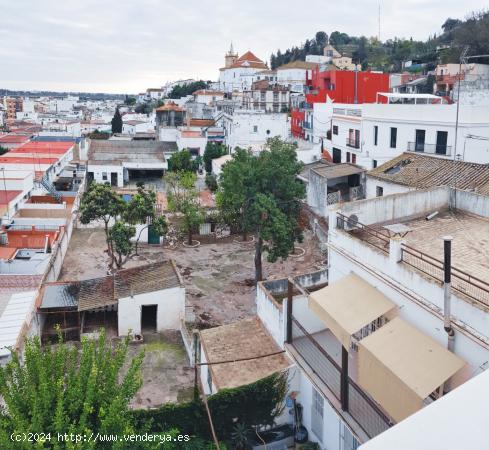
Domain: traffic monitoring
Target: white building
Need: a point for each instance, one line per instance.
(295, 74)
(119, 161)
(371, 134)
(385, 337)
(440, 424)
(218, 163)
(148, 298)
(239, 72)
(252, 129)
(208, 97)
(412, 170)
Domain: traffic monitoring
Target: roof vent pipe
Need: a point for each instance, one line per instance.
(447, 267)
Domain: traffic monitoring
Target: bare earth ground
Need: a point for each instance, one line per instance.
(220, 289)
(218, 277)
(167, 376)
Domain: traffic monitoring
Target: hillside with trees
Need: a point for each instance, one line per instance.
(187, 89)
(388, 56)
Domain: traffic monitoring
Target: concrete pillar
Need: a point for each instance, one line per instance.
(332, 222)
(395, 249)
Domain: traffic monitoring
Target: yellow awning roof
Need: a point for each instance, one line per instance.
(399, 366)
(349, 304)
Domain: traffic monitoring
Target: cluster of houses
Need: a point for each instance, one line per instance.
(390, 328)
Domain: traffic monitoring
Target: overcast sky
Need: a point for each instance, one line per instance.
(126, 46)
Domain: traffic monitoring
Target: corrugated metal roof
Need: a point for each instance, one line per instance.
(17, 311)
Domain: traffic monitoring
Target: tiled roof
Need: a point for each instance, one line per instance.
(424, 171)
(147, 278)
(13, 138)
(247, 338)
(8, 196)
(170, 106)
(100, 292)
(249, 56)
(207, 92)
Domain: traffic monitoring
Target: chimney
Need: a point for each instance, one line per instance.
(447, 268)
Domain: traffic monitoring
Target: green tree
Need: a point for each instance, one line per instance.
(211, 182)
(141, 209)
(181, 162)
(100, 202)
(212, 150)
(183, 198)
(183, 90)
(3, 150)
(117, 122)
(60, 389)
(120, 243)
(130, 100)
(261, 195)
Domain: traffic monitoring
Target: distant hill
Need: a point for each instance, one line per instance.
(389, 55)
(82, 95)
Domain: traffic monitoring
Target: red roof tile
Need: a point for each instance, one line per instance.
(8, 196)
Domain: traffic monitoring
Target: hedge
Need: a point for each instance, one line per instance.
(256, 404)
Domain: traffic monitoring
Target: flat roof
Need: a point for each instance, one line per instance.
(470, 243)
(12, 320)
(119, 151)
(337, 170)
(247, 338)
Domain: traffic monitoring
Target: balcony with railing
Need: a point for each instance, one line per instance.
(432, 149)
(353, 142)
(320, 353)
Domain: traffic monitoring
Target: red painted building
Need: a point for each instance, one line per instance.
(341, 86)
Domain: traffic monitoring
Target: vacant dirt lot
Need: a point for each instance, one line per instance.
(218, 277)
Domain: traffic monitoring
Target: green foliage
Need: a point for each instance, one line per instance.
(181, 162)
(101, 135)
(117, 122)
(3, 150)
(60, 389)
(389, 55)
(252, 405)
(100, 202)
(261, 195)
(240, 436)
(213, 150)
(120, 242)
(183, 198)
(129, 100)
(187, 89)
(211, 182)
(144, 108)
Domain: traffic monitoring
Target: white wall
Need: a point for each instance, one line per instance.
(171, 310)
(251, 129)
(98, 172)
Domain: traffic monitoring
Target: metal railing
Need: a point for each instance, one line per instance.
(360, 406)
(377, 238)
(352, 142)
(462, 282)
(432, 149)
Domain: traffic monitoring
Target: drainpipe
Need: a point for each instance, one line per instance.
(447, 266)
